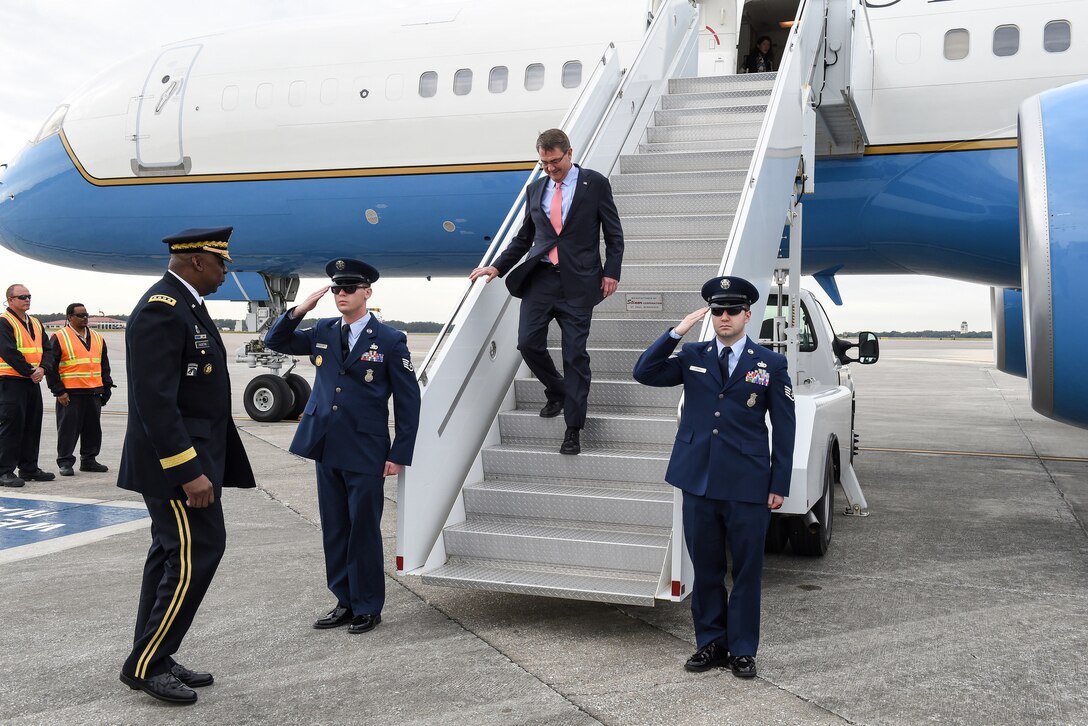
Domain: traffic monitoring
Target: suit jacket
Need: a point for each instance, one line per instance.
(721, 449)
(592, 211)
(179, 402)
(346, 423)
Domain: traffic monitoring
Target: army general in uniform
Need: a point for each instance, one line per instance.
(720, 460)
(360, 363)
(181, 448)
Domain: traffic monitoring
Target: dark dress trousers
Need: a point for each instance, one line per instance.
(179, 427)
(345, 429)
(721, 461)
(569, 293)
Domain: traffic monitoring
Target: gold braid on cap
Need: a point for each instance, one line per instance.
(214, 246)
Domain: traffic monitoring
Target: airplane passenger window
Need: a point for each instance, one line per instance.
(462, 82)
(230, 98)
(1056, 36)
(428, 84)
(497, 80)
(264, 95)
(957, 43)
(328, 91)
(1006, 40)
(296, 93)
(534, 76)
(572, 74)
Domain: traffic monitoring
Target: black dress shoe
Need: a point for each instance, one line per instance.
(93, 465)
(165, 687)
(571, 443)
(10, 480)
(38, 475)
(363, 623)
(193, 679)
(66, 471)
(712, 655)
(336, 617)
(551, 409)
(743, 666)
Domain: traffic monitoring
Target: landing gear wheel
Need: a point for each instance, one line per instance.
(301, 388)
(268, 398)
(778, 534)
(815, 544)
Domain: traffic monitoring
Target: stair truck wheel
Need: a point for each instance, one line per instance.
(268, 398)
(301, 388)
(803, 539)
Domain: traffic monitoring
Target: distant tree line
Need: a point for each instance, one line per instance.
(981, 334)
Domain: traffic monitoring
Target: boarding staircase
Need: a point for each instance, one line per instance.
(702, 179)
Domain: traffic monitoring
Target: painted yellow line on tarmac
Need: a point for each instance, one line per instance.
(979, 454)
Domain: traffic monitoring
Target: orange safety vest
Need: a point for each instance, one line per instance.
(30, 348)
(79, 367)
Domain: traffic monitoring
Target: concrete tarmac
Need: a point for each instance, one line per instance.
(962, 599)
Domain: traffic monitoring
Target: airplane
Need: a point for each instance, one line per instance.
(400, 135)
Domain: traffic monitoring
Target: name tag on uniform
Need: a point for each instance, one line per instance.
(697, 369)
(321, 345)
(200, 340)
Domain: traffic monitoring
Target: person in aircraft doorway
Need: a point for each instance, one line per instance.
(760, 60)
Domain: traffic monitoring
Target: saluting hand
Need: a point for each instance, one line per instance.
(200, 492)
(687, 323)
(490, 271)
(310, 302)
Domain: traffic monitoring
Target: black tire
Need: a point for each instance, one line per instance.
(301, 388)
(815, 544)
(268, 398)
(778, 534)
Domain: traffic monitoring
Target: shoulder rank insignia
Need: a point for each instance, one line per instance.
(163, 299)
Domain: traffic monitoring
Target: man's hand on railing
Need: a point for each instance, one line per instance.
(490, 271)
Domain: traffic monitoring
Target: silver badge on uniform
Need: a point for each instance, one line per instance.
(752, 401)
(340, 264)
(369, 377)
(761, 364)
(725, 283)
(190, 370)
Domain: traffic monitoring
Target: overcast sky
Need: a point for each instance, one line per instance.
(51, 48)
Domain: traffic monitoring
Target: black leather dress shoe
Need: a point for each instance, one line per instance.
(363, 623)
(336, 617)
(10, 480)
(38, 475)
(193, 679)
(66, 471)
(93, 465)
(712, 655)
(165, 687)
(743, 666)
(571, 443)
(551, 409)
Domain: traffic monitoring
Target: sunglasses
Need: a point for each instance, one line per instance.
(19, 297)
(349, 289)
(733, 310)
(79, 315)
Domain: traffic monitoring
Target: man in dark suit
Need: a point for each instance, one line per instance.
(721, 462)
(562, 278)
(181, 448)
(345, 429)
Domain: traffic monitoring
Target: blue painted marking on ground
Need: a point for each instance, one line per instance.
(26, 521)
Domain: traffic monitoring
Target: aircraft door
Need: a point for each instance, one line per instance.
(159, 114)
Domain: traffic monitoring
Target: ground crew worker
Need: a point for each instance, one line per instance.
(181, 448)
(23, 360)
(720, 460)
(80, 379)
(361, 363)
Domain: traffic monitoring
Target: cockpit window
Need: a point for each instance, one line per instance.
(52, 124)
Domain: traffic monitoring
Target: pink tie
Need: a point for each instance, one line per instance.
(556, 215)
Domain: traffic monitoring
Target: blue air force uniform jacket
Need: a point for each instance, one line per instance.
(179, 402)
(721, 448)
(346, 423)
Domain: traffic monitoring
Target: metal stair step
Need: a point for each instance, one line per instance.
(570, 544)
(650, 303)
(686, 161)
(678, 203)
(700, 250)
(560, 501)
(525, 426)
(592, 464)
(714, 144)
(679, 181)
(525, 578)
(743, 133)
(696, 116)
(713, 226)
(655, 276)
(607, 364)
(730, 82)
(746, 96)
(632, 331)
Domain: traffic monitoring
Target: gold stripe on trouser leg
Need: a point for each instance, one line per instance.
(185, 556)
